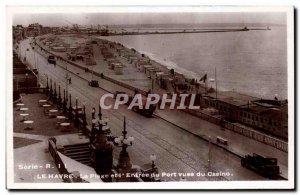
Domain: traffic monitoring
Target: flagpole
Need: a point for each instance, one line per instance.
(205, 87)
(216, 83)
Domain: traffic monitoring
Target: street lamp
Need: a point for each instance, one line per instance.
(209, 154)
(67, 85)
(153, 159)
(47, 87)
(26, 75)
(93, 113)
(123, 141)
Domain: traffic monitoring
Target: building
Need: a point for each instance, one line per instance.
(18, 33)
(34, 30)
(270, 116)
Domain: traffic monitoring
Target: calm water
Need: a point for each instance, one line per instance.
(251, 62)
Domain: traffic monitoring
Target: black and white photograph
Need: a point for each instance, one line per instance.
(150, 97)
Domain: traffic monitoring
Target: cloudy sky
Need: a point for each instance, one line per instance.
(59, 19)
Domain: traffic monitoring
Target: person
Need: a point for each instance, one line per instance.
(70, 81)
(93, 113)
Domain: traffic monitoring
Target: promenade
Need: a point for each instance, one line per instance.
(191, 125)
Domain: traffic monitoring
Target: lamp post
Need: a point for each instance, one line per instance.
(67, 84)
(64, 103)
(153, 170)
(84, 118)
(70, 106)
(47, 86)
(93, 113)
(153, 159)
(209, 154)
(93, 132)
(26, 76)
(76, 113)
(59, 96)
(123, 142)
(51, 90)
(100, 113)
(55, 94)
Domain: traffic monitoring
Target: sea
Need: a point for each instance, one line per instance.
(251, 62)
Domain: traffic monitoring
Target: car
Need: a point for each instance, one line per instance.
(93, 83)
(51, 60)
(266, 167)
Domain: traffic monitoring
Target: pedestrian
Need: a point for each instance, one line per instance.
(93, 113)
(70, 81)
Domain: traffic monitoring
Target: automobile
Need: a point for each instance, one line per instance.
(266, 167)
(51, 60)
(93, 83)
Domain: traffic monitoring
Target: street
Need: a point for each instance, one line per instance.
(176, 149)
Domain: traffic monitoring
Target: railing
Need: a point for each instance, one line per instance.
(66, 176)
(253, 134)
(57, 160)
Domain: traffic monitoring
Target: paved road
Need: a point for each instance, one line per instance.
(176, 149)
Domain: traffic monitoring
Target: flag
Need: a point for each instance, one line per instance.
(204, 78)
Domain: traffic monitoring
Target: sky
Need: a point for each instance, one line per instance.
(59, 19)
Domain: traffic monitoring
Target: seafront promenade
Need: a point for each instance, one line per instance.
(191, 124)
(137, 77)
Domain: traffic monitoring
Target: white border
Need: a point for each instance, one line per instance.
(164, 185)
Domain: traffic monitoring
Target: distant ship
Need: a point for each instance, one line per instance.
(246, 28)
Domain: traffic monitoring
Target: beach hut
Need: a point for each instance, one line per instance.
(148, 70)
(90, 61)
(59, 49)
(71, 56)
(156, 74)
(131, 58)
(142, 63)
(144, 67)
(110, 61)
(118, 68)
(166, 82)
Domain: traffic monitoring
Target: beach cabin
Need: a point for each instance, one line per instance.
(72, 48)
(47, 43)
(59, 49)
(166, 82)
(181, 87)
(110, 61)
(118, 68)
(144, 67)
(90, 61)
(148, 71)
(132, 58)
(128, 56)
(134, 61)
(151, 73)
(157, 74)
(71, 56)
(119, 50)
(142, 61)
